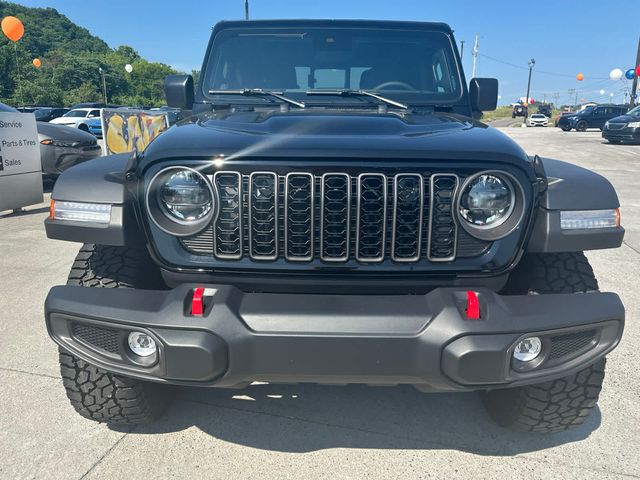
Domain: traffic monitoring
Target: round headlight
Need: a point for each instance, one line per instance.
(180, 201)
(490, 205)
(186, 196)
(486, 201)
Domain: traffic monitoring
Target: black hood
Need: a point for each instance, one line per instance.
(333, 133)
(625, 119)
(64, 133)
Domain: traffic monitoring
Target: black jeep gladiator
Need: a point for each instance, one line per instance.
(332, 213)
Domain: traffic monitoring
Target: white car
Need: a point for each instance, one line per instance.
(77, 118)
(537, 120)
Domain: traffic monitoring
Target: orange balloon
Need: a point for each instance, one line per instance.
(12, 28)
(580, 77)
(37, 63)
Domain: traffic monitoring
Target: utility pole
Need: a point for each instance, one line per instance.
(572, 92)
(246, 9)
(104, 85)
(461, 49)
(634, 85)
(531, 63)
(556, 98)
(475, 57)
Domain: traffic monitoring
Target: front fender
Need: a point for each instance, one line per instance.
(101, 180)
(570, 187)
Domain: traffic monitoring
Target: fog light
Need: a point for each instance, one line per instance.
(527, 349)
(142, 344)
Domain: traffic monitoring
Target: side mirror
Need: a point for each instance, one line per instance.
(178, 90)
(483, 93)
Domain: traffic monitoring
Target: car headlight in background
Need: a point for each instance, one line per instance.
(180, 201)
(490, 205)
(633, 124)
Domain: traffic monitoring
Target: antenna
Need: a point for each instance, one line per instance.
(246, 9)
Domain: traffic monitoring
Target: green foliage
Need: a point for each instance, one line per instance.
(71, 58)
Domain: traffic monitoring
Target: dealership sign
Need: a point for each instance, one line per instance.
(20, 167)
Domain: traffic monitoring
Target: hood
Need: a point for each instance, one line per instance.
(65, 120)
(334, 134)
(625, 119)
(64, 133)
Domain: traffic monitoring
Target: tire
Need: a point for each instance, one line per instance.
(566, 129)
(95, 393)
(581, 126)
(559, 404)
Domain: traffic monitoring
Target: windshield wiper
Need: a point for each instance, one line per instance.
(358, 93)
(258, 92)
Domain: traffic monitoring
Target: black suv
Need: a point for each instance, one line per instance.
(623, 129)
(545, 109)
(519, 111)
(331, 213)
(590, 117)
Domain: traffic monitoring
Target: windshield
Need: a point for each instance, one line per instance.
(43, 112)
(76, 113)
(634, 112)
(585, 111)
(406, 65)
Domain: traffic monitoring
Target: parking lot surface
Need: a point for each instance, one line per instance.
(307, 431)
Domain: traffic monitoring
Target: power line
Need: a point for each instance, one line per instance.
(545, 72)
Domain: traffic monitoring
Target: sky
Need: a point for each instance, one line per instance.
(565, 37)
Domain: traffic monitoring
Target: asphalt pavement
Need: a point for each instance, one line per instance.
(306, 431)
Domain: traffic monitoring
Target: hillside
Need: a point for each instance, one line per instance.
(71, 57)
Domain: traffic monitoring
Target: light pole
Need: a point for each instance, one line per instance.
(531, 63)
(104, 85)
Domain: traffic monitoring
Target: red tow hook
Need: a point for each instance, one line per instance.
(473, 306)
(197, 302)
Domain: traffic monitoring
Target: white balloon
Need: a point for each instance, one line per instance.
(616, 74)
(602, 92)
(128, 68)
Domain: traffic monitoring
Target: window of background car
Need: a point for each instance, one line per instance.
(410, 65)
(76, 113)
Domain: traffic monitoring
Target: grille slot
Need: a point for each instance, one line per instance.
(263, 216)
(408, 194)
(228, 228)
(570, 343)
(368, 217)
(299, 214)
(103, 338)
(335, 222)
(443, 229)
(371, 217)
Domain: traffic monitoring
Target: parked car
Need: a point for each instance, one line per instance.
(590, 117)
(94, 105)
(61, 147)
(545, 109)
(303, 228)
(174, 115)
(95, 126)
(27, 109)
(560, 115)
(537, 120)
(76, 118)
(519, 111)
(46, 114)
(623, 129)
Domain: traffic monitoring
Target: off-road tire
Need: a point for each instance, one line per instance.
(103, 397)
(552, 406)
(95, 393)
(558, 404)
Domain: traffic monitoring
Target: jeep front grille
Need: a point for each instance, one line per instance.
(335, 217)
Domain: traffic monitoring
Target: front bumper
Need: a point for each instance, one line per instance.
(424, 340)
(630, 135)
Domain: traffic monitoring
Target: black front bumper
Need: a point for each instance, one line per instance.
(626, 135)
(424, 340)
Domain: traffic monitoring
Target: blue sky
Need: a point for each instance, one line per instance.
(565, 37)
